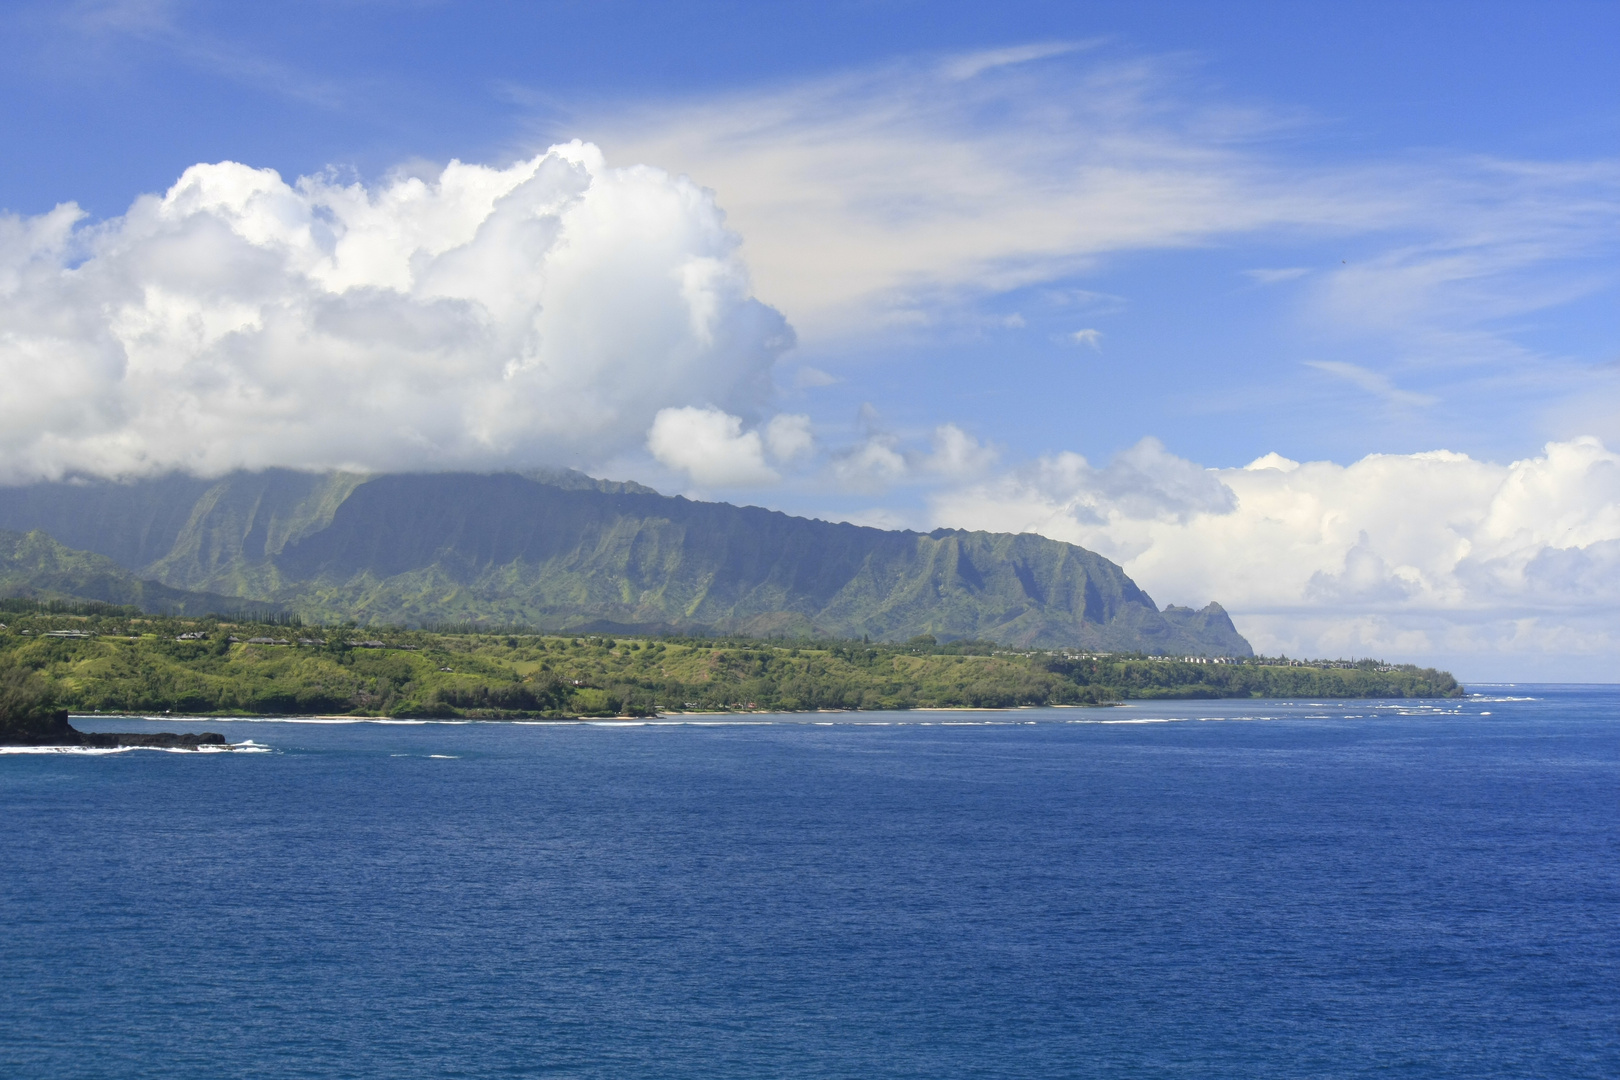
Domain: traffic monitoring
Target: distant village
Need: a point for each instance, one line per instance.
(1256, 661)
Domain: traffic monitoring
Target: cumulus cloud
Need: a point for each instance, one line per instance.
(1429, 553)
(1066, 497)
(958, 455)
(480, 317)
(711, 447)
(880, 461)
(788, 437)
(872, 465)
(1088, 337)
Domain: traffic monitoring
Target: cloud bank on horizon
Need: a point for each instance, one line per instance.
(1414, 555)
(477, 318)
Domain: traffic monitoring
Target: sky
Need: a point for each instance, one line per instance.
(1307, 309)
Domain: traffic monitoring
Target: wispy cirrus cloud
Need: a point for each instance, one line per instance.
(892, 195)
(810, 378)
(1375, 383)
(874, 193)
(1277, 275)
(972, 64)
(89, 32)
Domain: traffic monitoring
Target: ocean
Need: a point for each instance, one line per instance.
(1180, 889)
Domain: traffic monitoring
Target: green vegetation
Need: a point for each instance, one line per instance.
(111, 661)
(28, 708)
(33, 566)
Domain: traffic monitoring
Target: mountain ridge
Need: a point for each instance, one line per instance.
(566, 550)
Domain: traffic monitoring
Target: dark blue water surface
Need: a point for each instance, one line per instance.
(1261, 889)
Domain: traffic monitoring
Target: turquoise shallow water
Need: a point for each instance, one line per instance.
(1255, 889)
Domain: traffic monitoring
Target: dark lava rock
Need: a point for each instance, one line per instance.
(39, 728)
(164, 740)
(53, 729)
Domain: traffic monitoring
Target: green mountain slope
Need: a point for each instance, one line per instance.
(570, 552)
(35, 566)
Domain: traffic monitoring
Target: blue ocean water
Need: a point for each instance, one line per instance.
(1254, 889)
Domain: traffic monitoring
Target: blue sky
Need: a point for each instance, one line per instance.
(999, 246)
(146, 89)
(105, 101)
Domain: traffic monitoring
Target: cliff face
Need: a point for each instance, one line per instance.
(565, 551)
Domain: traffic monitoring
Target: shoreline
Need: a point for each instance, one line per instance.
(372, 718)
(172, 717)
(76, 740)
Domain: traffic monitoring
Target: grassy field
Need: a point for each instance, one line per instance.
(116, 660)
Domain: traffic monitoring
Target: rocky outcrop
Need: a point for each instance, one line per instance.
(39, 725)
(162, 740)
(53, 729)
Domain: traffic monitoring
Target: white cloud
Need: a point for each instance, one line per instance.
(809, 378)
(872, 465)
(480, 317)
(1432, 554)
(1085, 300)
(880, 461)
(711, 447)
(788, 436)
(972, 64)
(1273, 277)
(1091, 338)
(958, 455)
